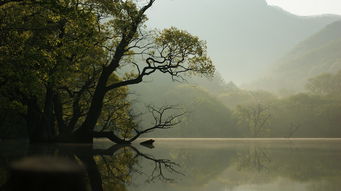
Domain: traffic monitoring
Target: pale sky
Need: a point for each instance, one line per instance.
(309, 7)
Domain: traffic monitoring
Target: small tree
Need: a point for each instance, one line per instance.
(254, 117)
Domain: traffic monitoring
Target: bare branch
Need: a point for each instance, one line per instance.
(162, 119)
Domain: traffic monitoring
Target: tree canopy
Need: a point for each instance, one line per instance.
(66, 65)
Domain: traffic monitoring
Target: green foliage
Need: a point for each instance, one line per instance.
(64, 63)
(48, 47)
(205, 116)
(217, 109)
(116, 114)
(180, 46)
(255, 117)
(305, 115)
(325, 84)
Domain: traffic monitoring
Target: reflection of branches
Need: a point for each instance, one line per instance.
(112, 167)
(294, 127)
(117, 164)
(110, 156)
(255, 158)
(159, 166)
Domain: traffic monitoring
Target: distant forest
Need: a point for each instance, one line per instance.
(219, 109)
(301, 97)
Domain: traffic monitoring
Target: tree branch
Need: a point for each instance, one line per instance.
(110, 135)
(162, 121)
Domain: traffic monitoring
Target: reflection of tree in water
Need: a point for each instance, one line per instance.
(316, 165)
(160, 167)
(117, 169)
(254, 158)
(333, 184)
(3, 175)
(106, 169)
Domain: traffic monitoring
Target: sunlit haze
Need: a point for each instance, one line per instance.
(309, 7)
(245, 37)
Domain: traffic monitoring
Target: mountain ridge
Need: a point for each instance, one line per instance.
(244, 36)
(317, 54)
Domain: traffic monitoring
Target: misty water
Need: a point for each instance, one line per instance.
(203, 164)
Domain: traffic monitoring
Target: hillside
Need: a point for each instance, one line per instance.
(244, 36)
(320, 53)
(205, 116)
(249, 37)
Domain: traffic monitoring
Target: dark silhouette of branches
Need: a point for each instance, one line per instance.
(164, 118)
(160, 166)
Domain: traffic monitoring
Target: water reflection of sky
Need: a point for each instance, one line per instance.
(252, 166)
(201, 165)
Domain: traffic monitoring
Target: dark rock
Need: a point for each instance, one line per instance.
(148, 143)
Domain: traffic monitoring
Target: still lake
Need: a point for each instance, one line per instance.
(200, 164)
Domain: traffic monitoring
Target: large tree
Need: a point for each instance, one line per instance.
(66, 66)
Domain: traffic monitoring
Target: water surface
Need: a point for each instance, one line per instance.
(202, 164)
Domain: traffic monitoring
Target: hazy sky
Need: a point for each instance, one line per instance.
(309, 7)
(244, 37)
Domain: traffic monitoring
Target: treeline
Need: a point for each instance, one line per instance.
(314, 113)
(218, 109)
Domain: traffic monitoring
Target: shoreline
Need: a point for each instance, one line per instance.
(241, 139)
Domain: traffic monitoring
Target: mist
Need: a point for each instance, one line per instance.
(244, 37)
(170, 94)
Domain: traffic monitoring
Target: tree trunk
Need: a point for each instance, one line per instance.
(47, 121)
(33, 119)
(40, 123)
(58, 111)
(84, 133)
